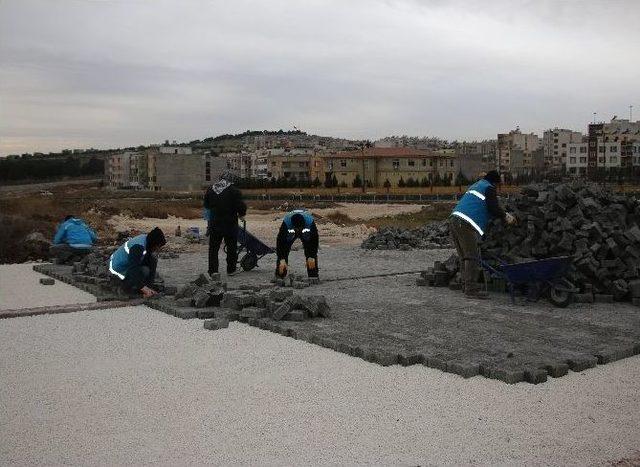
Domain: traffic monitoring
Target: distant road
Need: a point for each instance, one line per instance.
(45, 186)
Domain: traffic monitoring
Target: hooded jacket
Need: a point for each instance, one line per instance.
(75, 233)
(223, 206)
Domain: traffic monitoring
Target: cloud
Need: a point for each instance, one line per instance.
(118, 73)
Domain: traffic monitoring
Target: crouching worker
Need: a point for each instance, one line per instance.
(134, 263)
(468, 223)
(73, 240)
(297, 224)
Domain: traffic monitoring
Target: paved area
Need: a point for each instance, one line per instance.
(136, 386)
(392, 317)
(20, 288)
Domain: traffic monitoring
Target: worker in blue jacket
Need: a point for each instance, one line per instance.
(468, 223)
(134, 263)
(73, 239)
(297, 224)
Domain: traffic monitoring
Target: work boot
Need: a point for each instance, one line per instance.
(233, 273)
(476, 294)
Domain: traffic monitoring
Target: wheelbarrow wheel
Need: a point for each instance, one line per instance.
(249, 261)
(560, 298)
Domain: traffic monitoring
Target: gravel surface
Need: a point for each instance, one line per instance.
(137, 386)
(20, 288)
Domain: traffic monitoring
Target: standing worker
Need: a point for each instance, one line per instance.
(134, 263)
(468, 223)
(73, 239)
(297, 224)
(223, 206)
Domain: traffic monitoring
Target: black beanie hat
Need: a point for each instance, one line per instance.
(493, 177)
(155, 238)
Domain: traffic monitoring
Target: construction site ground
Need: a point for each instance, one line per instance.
(133, 385)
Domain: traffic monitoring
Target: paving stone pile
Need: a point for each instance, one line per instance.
(431, 236)
(597, 228)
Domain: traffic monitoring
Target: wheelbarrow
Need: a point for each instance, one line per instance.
(544, 277)
(254, 248)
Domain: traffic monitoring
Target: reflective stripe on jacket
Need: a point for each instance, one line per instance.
(308, 222)
(121, 260)
(472, 207)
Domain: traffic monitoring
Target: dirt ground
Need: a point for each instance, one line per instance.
(265, 224)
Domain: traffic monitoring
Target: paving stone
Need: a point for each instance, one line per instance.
(582, 363)
(386, 359)
(437, 363)
(214, 324)
(505, 375)
(466, 370)
(201, 280)
(47, 281)
(206, 313)
(184, 302)
(280, 295)
(421, 282)
(411, 359)
(295, 315)
(557, 370)
(535, 375)
(603, 298)
(190, 313)
(583, 298)
(252, 312)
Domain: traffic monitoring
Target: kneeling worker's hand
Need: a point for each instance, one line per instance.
(148, 292)
(510, 218)
(282, 267)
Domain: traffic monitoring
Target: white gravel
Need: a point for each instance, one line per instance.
(20, 288)
(136, 386)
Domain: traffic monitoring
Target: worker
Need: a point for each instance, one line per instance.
(297, 224)
(73, 240)
(468, 223)
(134, 263)
(223, 207)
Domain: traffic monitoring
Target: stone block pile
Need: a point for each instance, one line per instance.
(598, 229)
(295, 281)
(433, 235)
(201, 292)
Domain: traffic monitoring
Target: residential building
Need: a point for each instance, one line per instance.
(290, 167)
(601, 155)
(175, 171)
(260, 165)
(555, 144)
(184, 150)
(577, 157)
(516, 152)
(239, 163)
(377, 165)
(213, 168)
(126, 170)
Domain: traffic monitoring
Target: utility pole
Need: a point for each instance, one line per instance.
(630, 113)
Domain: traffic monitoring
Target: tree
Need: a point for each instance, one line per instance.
(437, 180)
(424, 182)
(387, 184)
(357, 182)
(343, 185)
(334, 181)
(401, 183)
(316, 183)
(461, 179)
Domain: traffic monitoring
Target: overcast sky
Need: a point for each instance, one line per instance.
(119, 73)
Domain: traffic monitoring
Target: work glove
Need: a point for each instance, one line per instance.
(510, 218)
(311, 263)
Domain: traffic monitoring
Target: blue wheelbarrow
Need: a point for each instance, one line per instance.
(254, 249)
(544, 277)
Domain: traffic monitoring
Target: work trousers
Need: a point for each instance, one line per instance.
(465, 239)
(310, 251)
(230, 237)
(140, 276)
(66, 254)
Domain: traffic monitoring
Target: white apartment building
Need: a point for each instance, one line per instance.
(635, 154)
(610, 154)
(577, 158)
(260, 165)
(555, 145)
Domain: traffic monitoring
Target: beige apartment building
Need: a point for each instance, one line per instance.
(517, 152)
(555, 146)
(126, 170)
(377, 165)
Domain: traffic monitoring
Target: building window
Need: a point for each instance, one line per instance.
(343, 163)
(583, 160)
(601, 149)
(600, 160)
(564, 145)
(396, 163)
(613, 149)
(613, 160)
(583, 149)
(555, 140)
(555, 153)
(411, 163)
(572, 160)
(572, 150)
(424, 161)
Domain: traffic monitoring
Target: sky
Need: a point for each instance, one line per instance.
(116, 73)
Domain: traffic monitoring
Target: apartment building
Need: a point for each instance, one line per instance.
(374, 166)
(516, 152)
(289, 166)
(183, 150)
(624, 132)
(577, 158)
(555, 146)
(239, 163)
(174, 171)
(126, 170)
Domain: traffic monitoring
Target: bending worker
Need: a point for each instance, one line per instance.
(73, 239)
(135, 263)
(468, 222)
(297, 224)
(223, 207)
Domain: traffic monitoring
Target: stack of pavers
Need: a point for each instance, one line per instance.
(432, 236)
(210, 299)
(598, 229)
